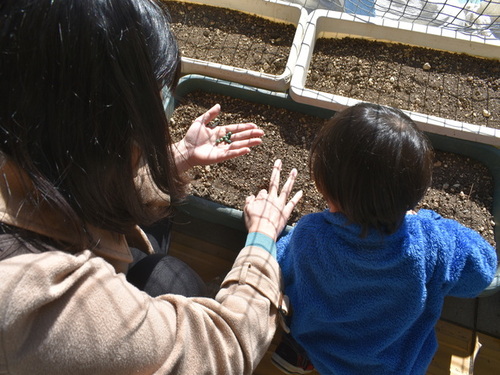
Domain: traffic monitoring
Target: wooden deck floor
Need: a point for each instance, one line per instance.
(211, 252)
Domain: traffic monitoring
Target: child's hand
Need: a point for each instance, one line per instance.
(206, 144)
(268, 212)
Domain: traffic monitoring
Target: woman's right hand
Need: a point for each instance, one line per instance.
(268, 212)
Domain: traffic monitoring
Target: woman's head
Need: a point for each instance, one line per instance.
(80, 82)
(373, 164)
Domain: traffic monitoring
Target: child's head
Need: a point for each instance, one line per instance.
(373, 164)
(80, 88)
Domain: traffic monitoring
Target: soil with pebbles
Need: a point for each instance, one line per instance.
(453, 86)
(232, 38)
(448, 85)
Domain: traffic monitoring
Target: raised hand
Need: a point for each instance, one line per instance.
(268, 212)
(204, 144)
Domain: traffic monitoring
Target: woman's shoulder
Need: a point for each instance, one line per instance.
(45, 267)
(41, 273)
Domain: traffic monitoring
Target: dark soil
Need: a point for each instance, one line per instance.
(456, 87)
(232, 38)
(462, 188)
(448, 85)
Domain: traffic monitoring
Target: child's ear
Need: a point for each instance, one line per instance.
(332, 206)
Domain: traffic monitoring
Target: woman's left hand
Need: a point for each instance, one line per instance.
(204, 144)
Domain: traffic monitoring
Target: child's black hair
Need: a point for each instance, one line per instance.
(373, 163)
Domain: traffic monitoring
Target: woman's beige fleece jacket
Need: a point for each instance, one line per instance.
(76, 314)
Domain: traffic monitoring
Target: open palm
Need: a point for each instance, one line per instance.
(203, 144)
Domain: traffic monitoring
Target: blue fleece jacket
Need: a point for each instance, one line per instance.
(369, 305)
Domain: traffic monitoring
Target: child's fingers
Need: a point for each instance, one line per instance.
(233, 153)
(244, 135)
(287, 187)
(262, 193)
(249, 199)
(296, 198)
(292, 203)
(275, 177)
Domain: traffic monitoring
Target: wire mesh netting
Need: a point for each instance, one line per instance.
(431, 82)
(473, 17)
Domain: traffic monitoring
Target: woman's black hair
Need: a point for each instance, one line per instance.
(373, 163)
(80, 84)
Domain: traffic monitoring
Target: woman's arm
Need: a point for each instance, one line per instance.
(74, 314)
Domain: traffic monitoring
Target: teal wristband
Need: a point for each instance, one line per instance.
(263, 241)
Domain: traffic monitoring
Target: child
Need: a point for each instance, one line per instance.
(367, 277)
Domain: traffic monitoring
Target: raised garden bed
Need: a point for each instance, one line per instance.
(454, 86)
(253, 43)
(463, 188)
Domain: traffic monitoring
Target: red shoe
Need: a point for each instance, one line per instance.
(290, 358)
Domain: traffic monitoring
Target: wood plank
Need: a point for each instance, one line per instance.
(455, 351)
(488, 359)
(455, 338)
